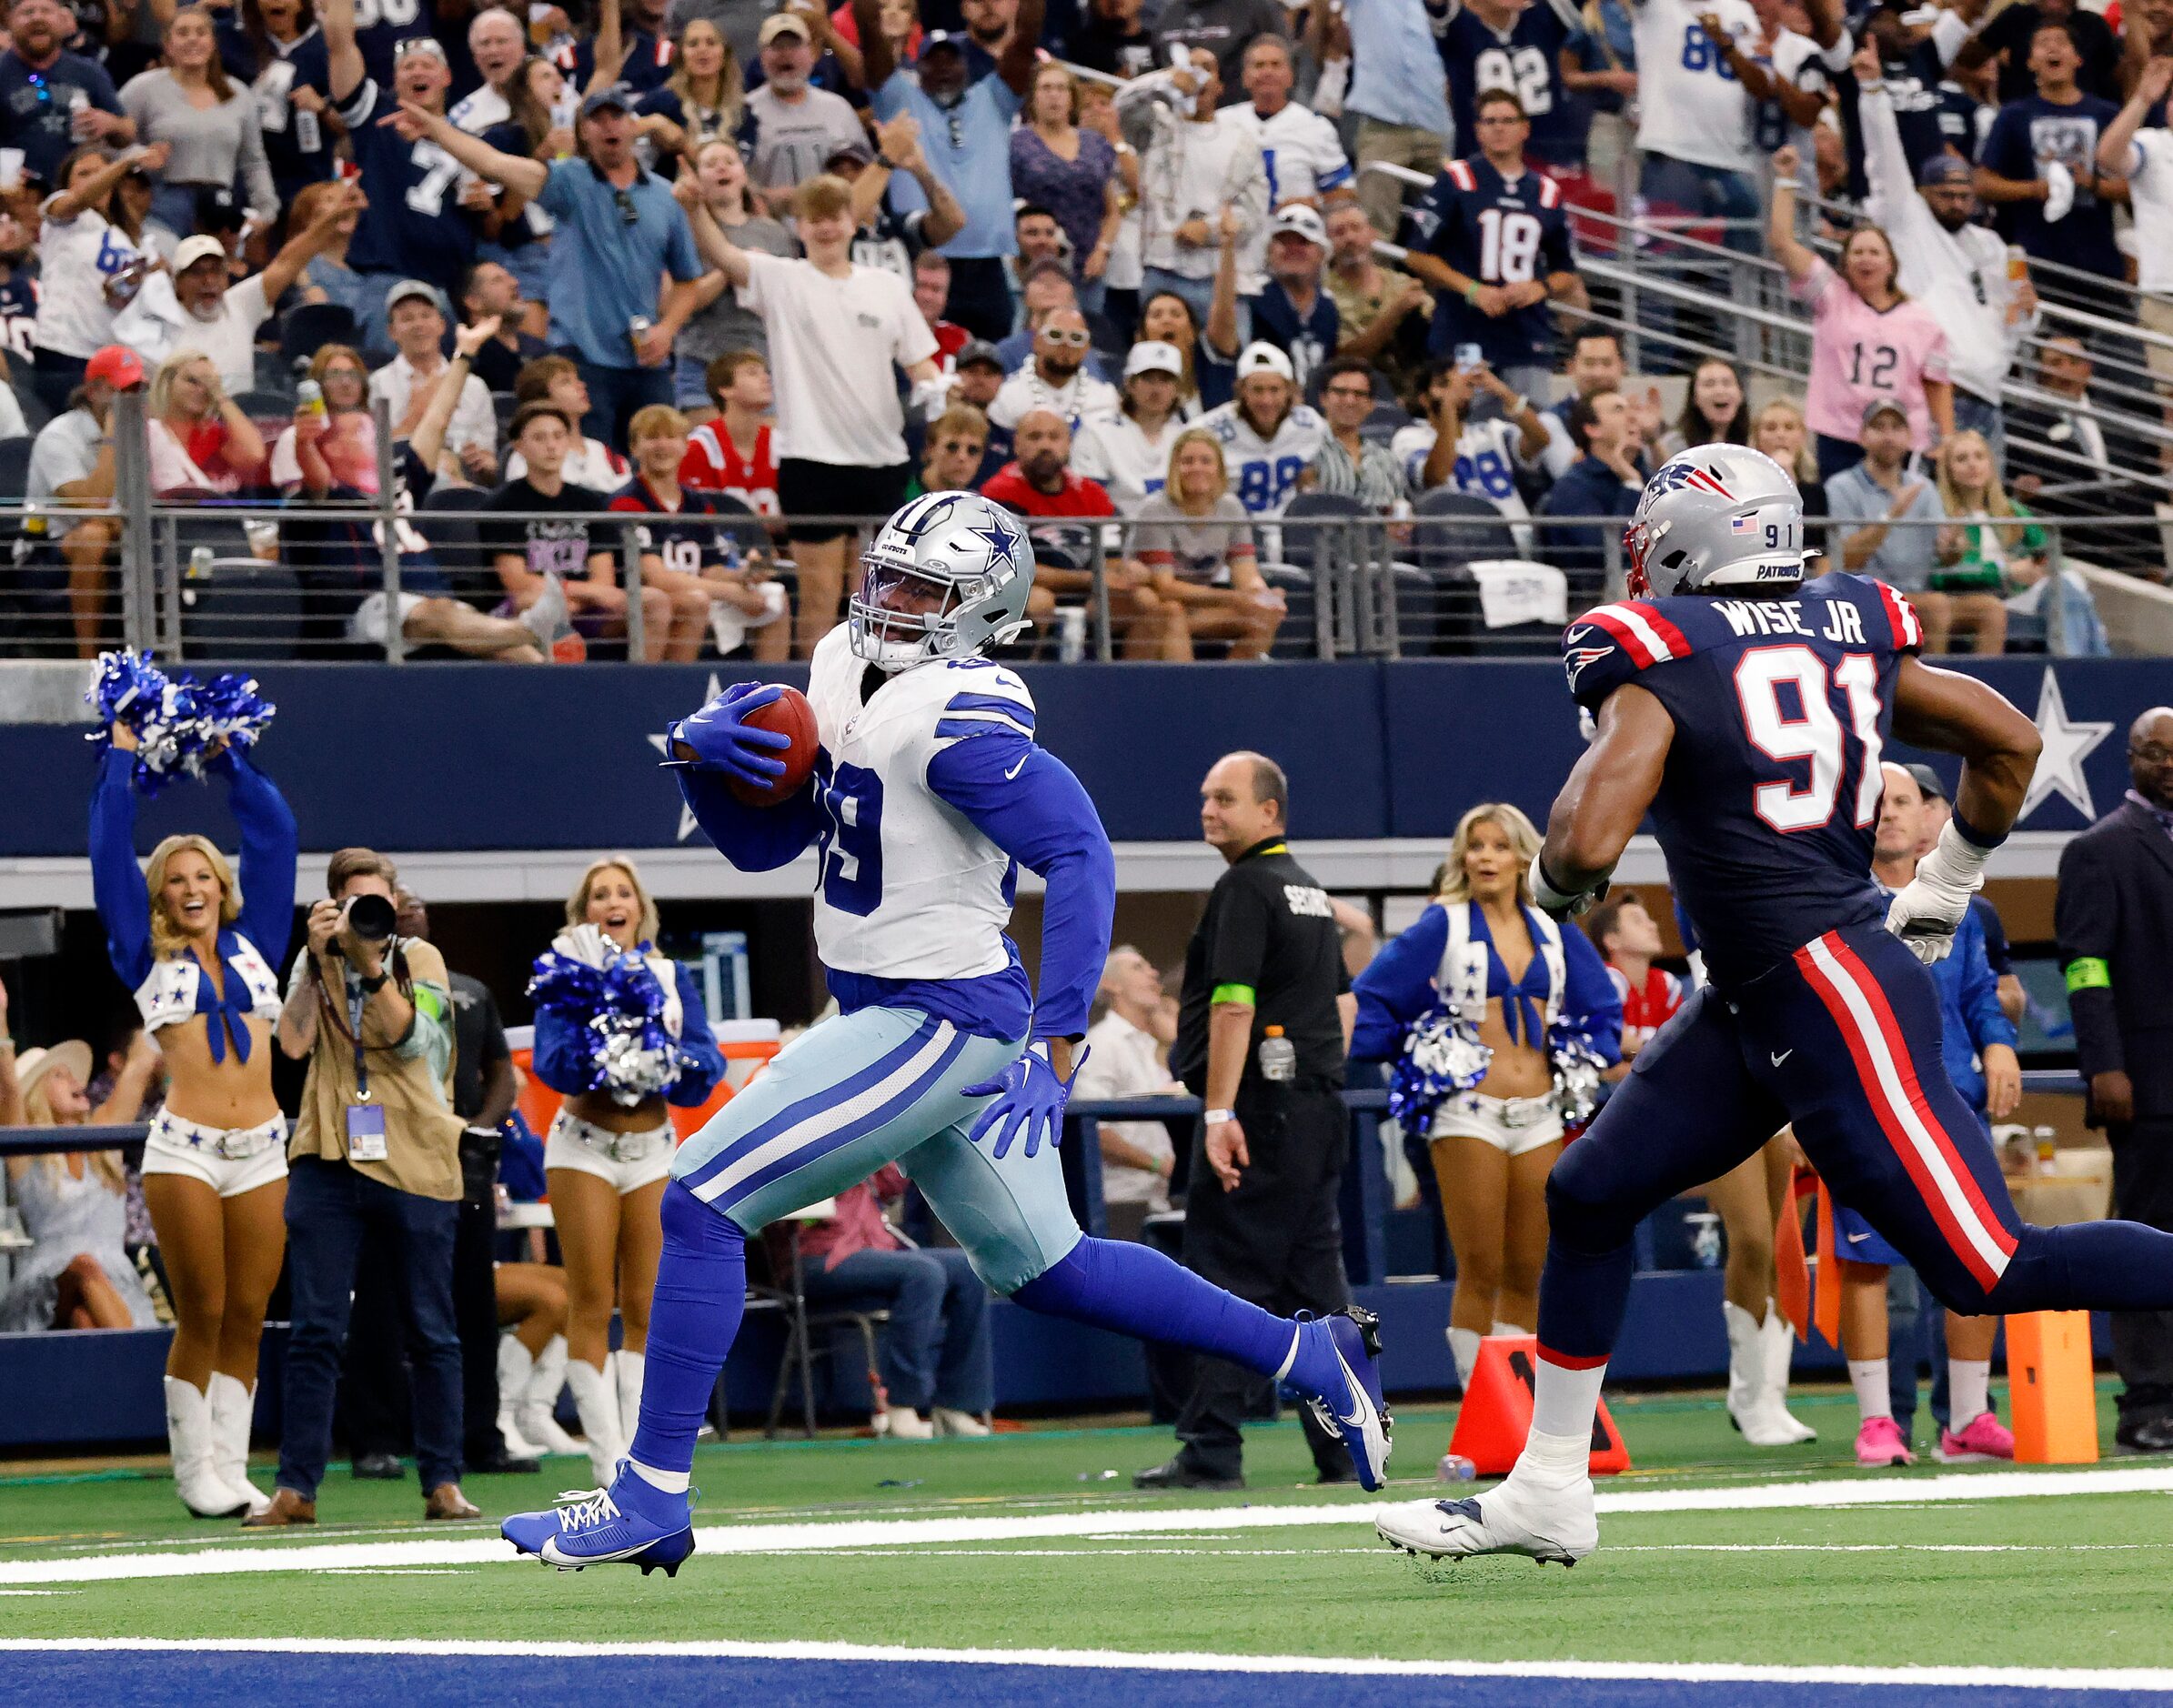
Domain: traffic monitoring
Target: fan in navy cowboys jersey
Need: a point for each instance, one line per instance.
(1746, 710)
(1495, 237)
(416, 226)
(928, 793)
(380, 26)
(1516, 45)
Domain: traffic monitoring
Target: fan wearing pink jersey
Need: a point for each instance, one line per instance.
(1869, 340)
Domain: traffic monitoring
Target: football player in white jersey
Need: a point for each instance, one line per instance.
(1268, 437)
(929, 794)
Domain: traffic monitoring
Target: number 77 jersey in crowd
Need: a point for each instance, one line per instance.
(1770, 794)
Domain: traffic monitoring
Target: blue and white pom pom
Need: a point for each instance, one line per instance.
(632, 1055)
(1577, 1064)
(1442, 1058)
(180, 724)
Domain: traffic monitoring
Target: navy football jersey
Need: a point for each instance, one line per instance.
(1497, 233)
(696, 537)
(18, 308)
(380, 25)
(1771, 789)
(1526, 61)
(416, 227)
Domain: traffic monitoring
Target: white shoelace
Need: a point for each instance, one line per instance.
(589, 1509)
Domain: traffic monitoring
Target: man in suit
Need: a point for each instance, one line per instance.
(2113, 919)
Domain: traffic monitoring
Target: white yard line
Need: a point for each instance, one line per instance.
(864, 1533)
(2128, 1679)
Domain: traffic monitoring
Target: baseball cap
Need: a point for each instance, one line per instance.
(1151, 356)
(191, 250)
(617, 98)
(118, 365)
(1944, 168)
(1879, 406)
(1927, 780)
(1265, 358)
(930, 40)
(1295, 216)
(409, 287)
(977, 350)
(782, 24)
(216, 210)
(858, 152)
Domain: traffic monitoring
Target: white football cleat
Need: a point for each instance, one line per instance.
(1555, 1524)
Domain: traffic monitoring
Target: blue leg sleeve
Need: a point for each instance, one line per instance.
(2091, 1266)
(702, 1290)
(1136, 1290)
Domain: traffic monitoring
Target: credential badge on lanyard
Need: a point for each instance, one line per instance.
(365, 1120)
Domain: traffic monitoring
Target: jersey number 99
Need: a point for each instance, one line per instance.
(1811, 731)
(852, 839)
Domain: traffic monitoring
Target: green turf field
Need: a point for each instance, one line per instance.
(2069, 1581)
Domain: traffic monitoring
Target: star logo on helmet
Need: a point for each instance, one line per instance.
(1003, 541)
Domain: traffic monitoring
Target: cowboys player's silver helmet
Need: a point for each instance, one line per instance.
(946, 578)
(1716, 515)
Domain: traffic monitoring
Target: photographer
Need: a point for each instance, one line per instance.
(376, 1152)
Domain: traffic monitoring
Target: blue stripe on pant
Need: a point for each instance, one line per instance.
(884, 1085)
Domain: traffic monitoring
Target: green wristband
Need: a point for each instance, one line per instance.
(2088, 972)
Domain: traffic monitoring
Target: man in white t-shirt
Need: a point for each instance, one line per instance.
(198, 308)
(836, 330)
(1299, 151)
(1196, 160)
(1127, 1056)
(2144, 157)
(72, 465)
(1697, 92)
(416, 323)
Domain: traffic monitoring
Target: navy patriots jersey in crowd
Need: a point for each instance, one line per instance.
(1497, 233)
(18, 308)
(696, 537)
(1527, 62)
(1771, 789)
(416, 226)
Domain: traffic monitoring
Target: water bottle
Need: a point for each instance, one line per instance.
(1705, 1239)
(1070, 633)
(1455, 1468)
(309, 399)
(199, 564)
(2048, 1150)
(309, 136)
(1278, 1056)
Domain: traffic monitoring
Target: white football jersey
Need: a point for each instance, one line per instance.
(1299, 151)
(1264, 473)
(1690, 105)
(907, 887)
(1486, 465)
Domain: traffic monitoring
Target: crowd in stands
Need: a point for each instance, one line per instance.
(1144, 273)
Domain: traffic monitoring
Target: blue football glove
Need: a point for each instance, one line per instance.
(722, 739)
(1029, 1100)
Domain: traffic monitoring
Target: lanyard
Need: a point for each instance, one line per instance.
(355, 1004)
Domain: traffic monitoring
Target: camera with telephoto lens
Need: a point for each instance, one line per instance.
(371, 916)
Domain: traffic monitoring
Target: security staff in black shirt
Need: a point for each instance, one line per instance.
(1263, 1027)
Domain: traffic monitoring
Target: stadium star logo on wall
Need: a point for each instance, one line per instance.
(2068, 743)
(687, 825)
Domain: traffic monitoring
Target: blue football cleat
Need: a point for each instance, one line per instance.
(632, 1521)
(1350, 1403)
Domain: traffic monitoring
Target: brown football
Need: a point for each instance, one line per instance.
(789, 714)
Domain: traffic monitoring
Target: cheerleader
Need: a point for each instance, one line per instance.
(199, 948)
(609, 1150)
(1502, 1021)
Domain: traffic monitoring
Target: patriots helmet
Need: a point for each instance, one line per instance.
(947, 578)
(1716, 515)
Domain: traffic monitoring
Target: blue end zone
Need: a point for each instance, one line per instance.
(150, 1680)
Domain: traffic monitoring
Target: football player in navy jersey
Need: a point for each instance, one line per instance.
(1746, 710)
(1495, 239)
(418, 225)
(1515, 46)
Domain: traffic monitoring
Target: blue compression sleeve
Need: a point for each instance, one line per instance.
(694, 1317)
(1026, 800)
(754, 839)
(268, 843)
(1588, 995)
(1136, 1290)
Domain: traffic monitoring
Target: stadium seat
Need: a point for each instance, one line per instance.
(245, 611)
(14, 469)
(308, 329)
